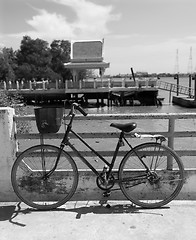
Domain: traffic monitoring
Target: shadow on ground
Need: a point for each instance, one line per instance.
(6, 212)
(9, 213)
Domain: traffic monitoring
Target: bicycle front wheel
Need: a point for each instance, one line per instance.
(28, 180)
(155, 188)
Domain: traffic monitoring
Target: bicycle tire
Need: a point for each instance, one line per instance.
(139, 187)
(27, 177)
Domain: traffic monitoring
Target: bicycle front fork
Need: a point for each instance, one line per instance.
(50, 172)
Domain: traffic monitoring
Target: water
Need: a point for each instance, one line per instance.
(167, 106)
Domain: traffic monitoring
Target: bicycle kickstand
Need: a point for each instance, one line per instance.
(104, 200)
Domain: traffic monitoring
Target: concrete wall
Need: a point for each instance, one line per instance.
(87, 189)
(7, 152)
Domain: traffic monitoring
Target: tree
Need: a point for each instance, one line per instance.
(60, 51)
(34, 59)
(7, 64)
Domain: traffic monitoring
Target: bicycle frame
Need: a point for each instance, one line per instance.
(110, 165)
(85, 161)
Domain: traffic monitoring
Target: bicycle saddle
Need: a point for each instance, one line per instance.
(125, 127)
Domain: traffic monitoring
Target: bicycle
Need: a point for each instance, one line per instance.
(150, 175)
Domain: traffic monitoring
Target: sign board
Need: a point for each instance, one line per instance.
(87, 51)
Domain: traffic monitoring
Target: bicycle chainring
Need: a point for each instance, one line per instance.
(105, 184)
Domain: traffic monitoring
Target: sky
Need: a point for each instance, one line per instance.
(147, 35)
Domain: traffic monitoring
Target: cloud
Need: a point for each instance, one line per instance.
(50, 25)
(90, 23)
(92, 19)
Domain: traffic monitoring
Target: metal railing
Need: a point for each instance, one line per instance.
(170, 133)
(176, 88)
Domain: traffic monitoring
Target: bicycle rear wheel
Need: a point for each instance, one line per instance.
(28, 173)
(155, 189)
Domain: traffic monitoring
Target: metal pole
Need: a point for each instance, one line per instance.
(177, 78)
(133, 75)
(194, 88)
(190, 77)
(171, 129)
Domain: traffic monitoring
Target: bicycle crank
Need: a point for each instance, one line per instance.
(103, 183)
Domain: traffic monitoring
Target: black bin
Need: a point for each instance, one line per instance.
(48, 119)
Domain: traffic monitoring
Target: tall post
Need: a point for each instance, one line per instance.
(190, 78)
(133, 75)
(176, 76)
(195, 88)
(171, 130)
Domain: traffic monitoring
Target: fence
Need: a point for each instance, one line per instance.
(170, 126)
(96, 133)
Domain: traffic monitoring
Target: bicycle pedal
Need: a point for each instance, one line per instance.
(107, 194)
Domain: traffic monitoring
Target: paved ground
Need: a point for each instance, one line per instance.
(88, 220)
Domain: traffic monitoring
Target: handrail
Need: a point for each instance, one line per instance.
(171, 133)
(175, 88)
(81, 84)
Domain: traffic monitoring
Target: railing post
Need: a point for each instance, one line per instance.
(66, 84)
(80, 84)
(170, 91)
(17, 85)
(57, 84)
(123, 82)
(5, 85)
(30, 85)
(171, 128)
(94, 83)
(109, 85)
(146, 83)
(44, 84)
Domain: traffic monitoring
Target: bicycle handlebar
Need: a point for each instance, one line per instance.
(80, 109)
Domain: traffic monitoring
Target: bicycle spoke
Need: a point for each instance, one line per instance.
(160, 185)
(44, 193)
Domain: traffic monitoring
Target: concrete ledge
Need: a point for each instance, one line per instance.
(88, 190)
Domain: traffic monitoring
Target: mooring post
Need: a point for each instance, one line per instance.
(195, 88)
(190, 78)
(176, 76)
